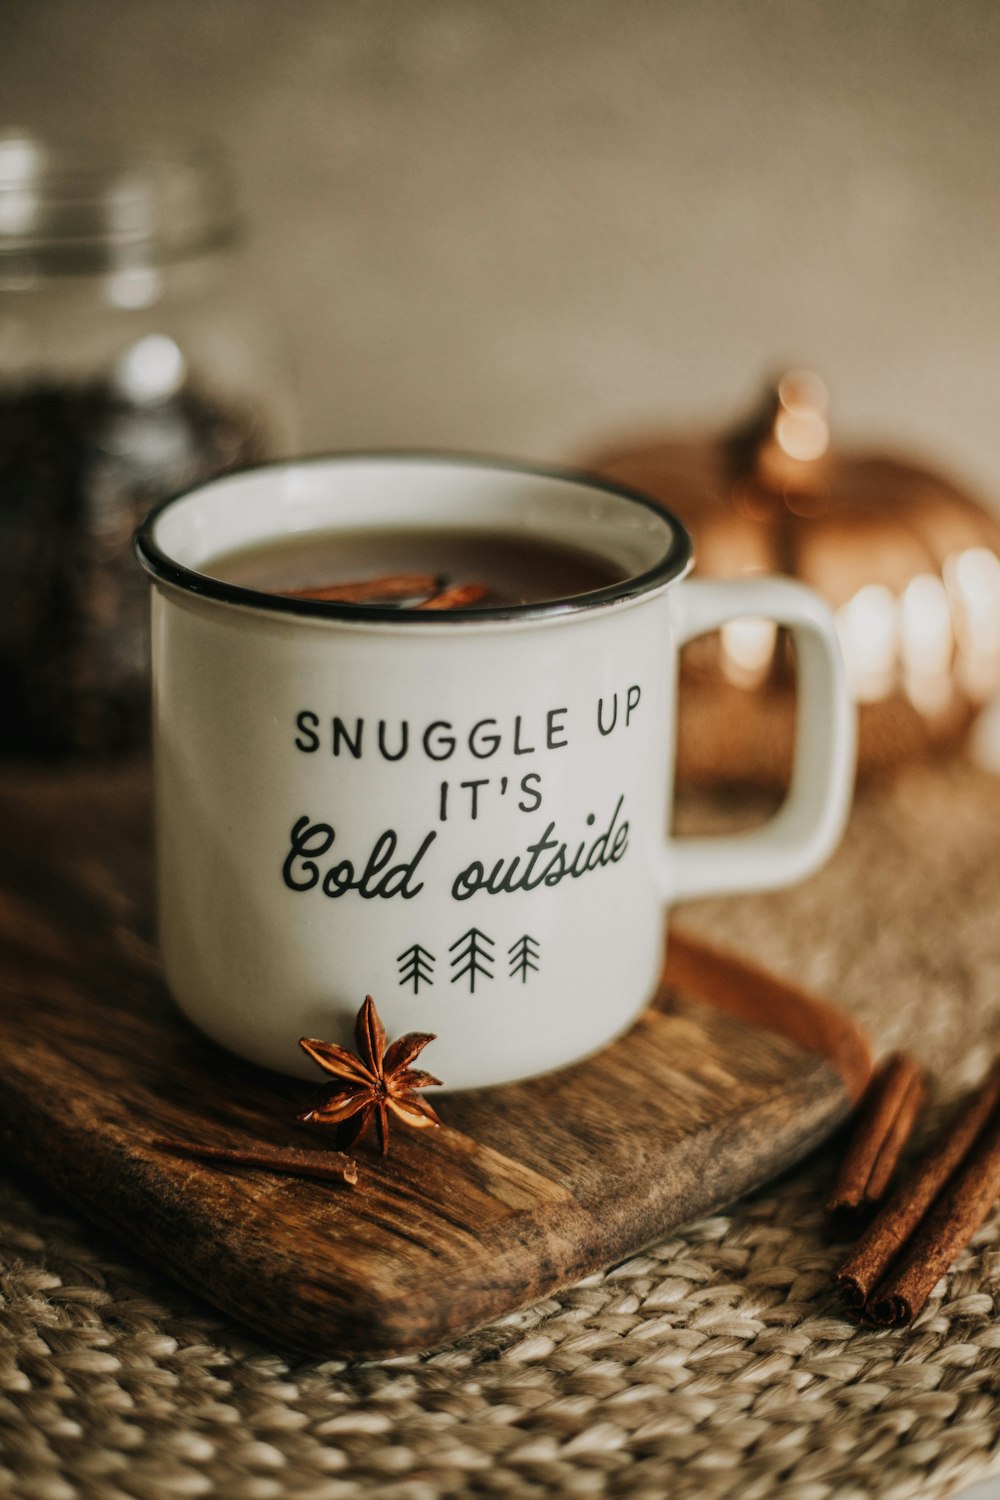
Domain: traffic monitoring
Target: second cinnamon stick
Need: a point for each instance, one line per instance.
(947, 1229)
(882, 1243)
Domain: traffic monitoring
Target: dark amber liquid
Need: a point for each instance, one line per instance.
(515, 569)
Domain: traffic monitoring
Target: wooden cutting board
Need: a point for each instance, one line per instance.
(728, 1078)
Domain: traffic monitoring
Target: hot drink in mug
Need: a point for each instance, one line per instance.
(460, 811)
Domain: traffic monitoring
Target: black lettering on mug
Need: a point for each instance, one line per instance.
(553, 727)
(520, 749)
(529, 788)
(307, 739)
(443, 745)
(600, 715)
(309, 841)
(340, 732)
(404, 741)
(482, 745)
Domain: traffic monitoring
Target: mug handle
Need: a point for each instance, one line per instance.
(808, 825)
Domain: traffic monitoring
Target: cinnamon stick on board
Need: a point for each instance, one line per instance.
(858, 1277)
(326, 1166)
(885, 1121)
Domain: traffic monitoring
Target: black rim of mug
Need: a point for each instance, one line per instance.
(675, 562)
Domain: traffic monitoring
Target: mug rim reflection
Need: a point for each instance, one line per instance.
(675, 562)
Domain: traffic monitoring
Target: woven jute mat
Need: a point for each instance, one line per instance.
(716, 1364)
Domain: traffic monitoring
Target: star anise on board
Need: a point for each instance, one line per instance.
(375, 1084)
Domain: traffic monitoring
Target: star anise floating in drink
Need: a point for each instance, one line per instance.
(374, 1085)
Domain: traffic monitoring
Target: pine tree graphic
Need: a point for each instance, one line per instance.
(523, 956)
(472, 957)
(416, 967)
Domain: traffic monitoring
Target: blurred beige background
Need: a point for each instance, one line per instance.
(522, 224)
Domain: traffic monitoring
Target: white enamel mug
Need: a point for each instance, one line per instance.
(463, 815)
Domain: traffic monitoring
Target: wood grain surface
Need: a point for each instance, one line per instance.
(725, 1080)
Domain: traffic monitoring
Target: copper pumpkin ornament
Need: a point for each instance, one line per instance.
(908, 560)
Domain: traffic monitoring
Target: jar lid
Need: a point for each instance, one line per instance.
(70, 209)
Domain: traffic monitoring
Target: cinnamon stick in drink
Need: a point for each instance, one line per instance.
(883, 1243)
(461, 596)
(884, 1125)
(389, 587)
(396, 588)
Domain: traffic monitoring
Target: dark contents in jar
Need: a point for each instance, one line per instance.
(79, 468)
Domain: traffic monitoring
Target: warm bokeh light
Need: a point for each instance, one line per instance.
(972, 579)
(940, 631)
(152, 370)
(925, 626)
(801, 427)
(133, 286)
(928, 644)
(747, 650)
(802, 435)
(20, 158)
(868, 628)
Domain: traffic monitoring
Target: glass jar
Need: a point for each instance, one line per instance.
(133, 363)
